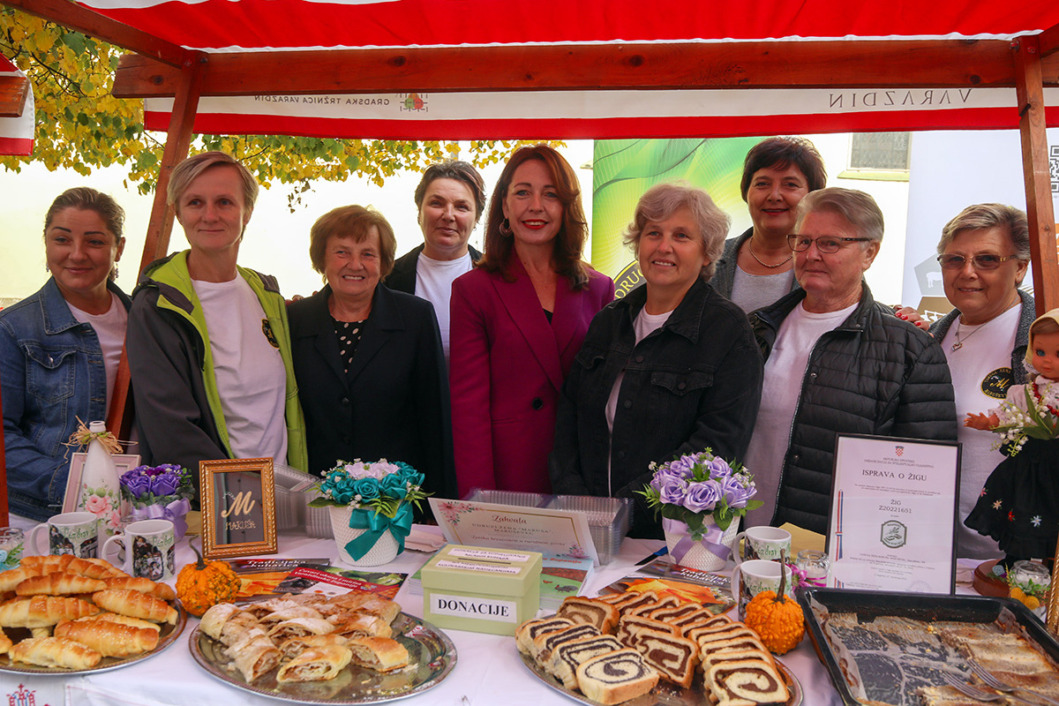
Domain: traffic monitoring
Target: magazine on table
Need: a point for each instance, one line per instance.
(710, 589)
(333, 581)
(260, 577)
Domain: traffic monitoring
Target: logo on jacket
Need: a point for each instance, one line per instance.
(266, 328)
(996, 383)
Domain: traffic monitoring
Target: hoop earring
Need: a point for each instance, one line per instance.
(505, 228)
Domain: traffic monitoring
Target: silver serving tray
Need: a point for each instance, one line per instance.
(166, 637)
(431, 659)
(665, 693)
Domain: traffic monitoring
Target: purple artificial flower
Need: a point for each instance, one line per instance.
(136, 482)
(702, 496)
(683, 467)
(719, 468)
(672, 491)
(165, 484)
(736, 491)
(664, 475)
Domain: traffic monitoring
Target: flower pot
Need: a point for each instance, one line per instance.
(708, 554)
(384, 551)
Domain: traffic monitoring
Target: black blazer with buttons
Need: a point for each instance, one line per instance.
(393, 403)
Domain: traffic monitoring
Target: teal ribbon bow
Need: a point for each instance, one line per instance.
(375, 524)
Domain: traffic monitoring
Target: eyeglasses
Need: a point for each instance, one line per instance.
(826, 244)
(981, 261)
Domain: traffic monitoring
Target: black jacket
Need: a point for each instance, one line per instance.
(393, 404)
(402, 277)
(692, 384)
(873, 374)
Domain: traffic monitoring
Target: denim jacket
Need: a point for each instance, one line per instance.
(52, 372)
(692, 384)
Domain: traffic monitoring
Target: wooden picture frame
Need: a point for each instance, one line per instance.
(238, 507)
(122, 462)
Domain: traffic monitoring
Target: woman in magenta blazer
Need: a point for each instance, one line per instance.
(518, 320)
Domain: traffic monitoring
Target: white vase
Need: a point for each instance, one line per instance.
(384, 551)
(698, 555)
(100, 489)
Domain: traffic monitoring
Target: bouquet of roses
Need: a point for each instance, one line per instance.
(159, 492)
(381, 487)
(700, 485)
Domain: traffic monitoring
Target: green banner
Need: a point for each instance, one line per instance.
(623, 169)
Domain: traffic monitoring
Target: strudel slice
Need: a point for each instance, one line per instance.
(530, 629)
(315, 664)
(615, 677)
(674, 657)
(589, 611)
(381, 654)
(567, 657)
(752, 681)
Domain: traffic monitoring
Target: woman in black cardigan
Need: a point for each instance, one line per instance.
(371, 374)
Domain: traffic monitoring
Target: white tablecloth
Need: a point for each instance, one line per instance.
(488, 670)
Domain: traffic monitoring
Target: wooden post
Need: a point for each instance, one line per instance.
(178, 142)
(1030, 92)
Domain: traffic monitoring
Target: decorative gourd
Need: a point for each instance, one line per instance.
(779, 621)
(204, 584)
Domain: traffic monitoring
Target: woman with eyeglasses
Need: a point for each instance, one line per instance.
(984, 252)
(836, 362)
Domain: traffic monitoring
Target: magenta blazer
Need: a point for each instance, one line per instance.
(507, 366)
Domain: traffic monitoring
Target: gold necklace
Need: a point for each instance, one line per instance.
(750, 247)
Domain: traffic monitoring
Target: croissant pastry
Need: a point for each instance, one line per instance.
(142, 584)
(55, 584)
(5, 642)
(125, 601)
(43, 611)
(47, 563)
(109, 639)
(94, 568)
(54, 652)
(315, 664)
(123, 620)
(11, 578)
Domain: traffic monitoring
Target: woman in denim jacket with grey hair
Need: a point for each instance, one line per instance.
(60, 348)
(670, 368)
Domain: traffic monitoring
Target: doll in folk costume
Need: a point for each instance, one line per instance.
(1019, 504)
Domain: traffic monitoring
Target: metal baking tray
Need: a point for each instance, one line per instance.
(916, 606)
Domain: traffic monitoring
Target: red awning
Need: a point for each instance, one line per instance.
(16, 133)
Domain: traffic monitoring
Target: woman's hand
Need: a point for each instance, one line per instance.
(907, 313)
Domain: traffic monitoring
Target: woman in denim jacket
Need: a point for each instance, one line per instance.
(60, 348)
(670, 368)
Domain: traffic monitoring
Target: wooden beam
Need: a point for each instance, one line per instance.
(159, 228)
(877, 64)
(14, 91)
(1036, 175)
(1048, 41)
(86, 21)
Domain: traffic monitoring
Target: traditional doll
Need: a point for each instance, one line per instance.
(1019, 505)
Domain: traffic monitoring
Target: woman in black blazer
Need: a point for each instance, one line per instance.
(371, 374)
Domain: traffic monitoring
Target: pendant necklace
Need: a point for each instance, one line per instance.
(959, 344)
(750, 247)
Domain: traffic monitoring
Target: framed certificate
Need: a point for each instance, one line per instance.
(894, 509)
(238, 507)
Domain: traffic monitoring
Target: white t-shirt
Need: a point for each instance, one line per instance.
(980, 367)
(251, 379)
(110, 329)
(751, 292)
(434, 283)
(780, 390)
(643, 325)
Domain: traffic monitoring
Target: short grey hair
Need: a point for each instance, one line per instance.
(663, 200)
(857, 207)
(990, 215)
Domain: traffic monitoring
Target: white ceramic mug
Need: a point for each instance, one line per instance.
(150, 549)
(754, 576)
(763, 543)
(74, 533)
